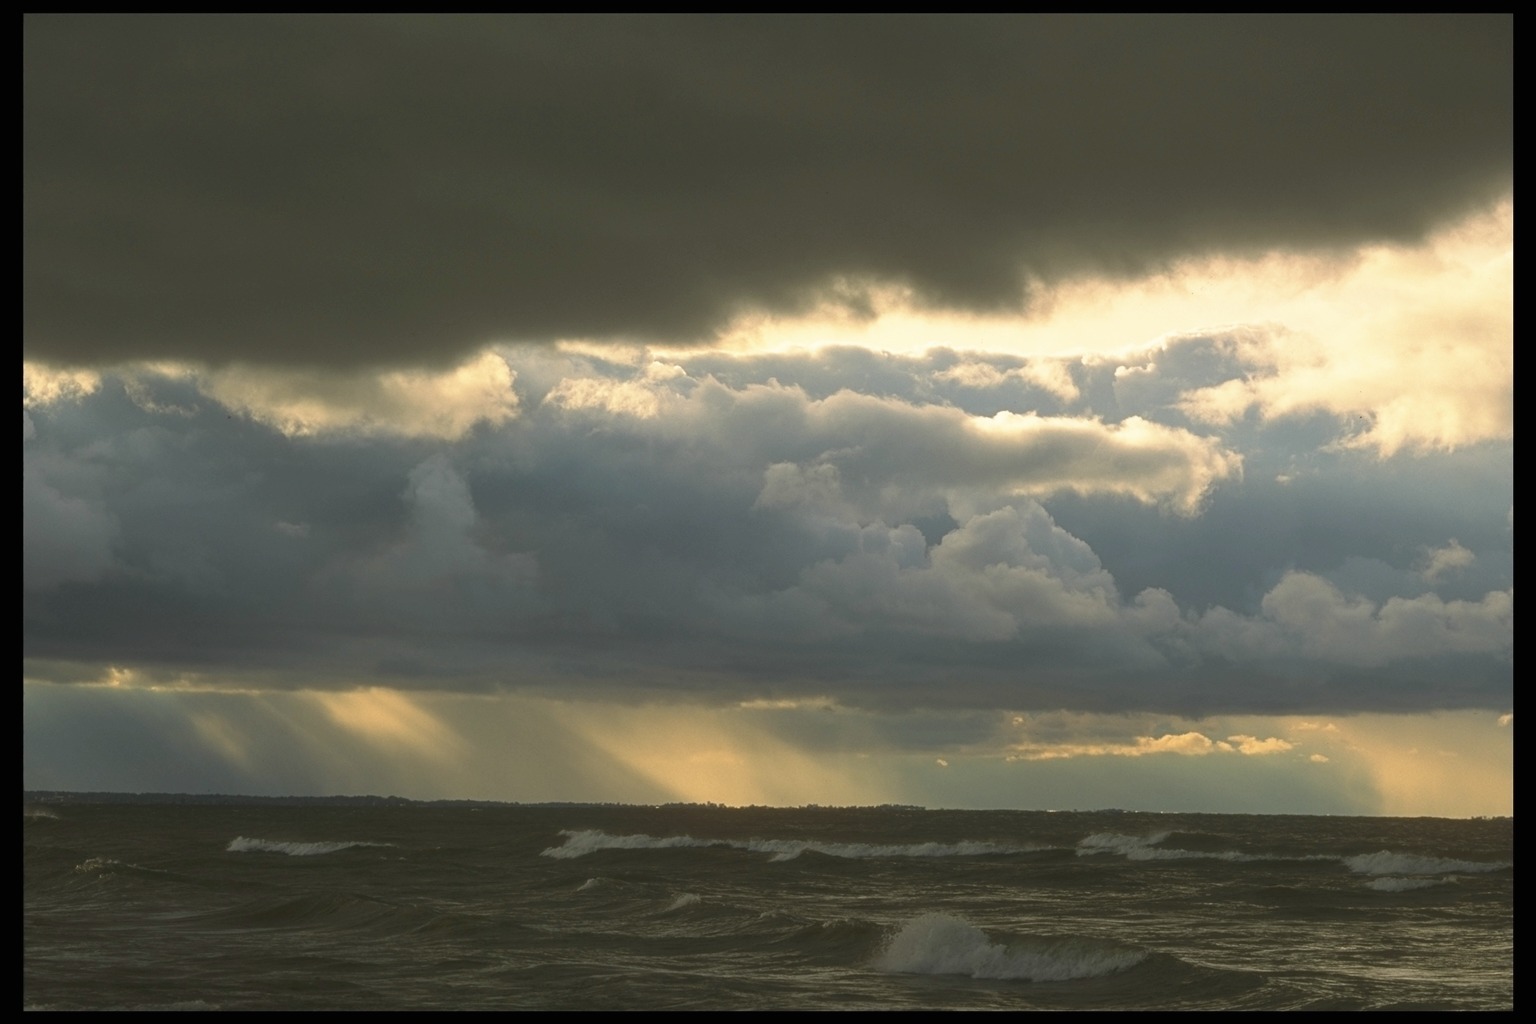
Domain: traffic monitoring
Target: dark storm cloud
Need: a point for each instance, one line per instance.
(645, 531)
(342, 191)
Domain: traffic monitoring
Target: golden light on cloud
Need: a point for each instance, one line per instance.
(1450, 276)
(43, 385)
(1412, 343)
(642, 397)
(1187, 744)
(408, 403)
(412, 403)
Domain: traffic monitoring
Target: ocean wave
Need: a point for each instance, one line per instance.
(1390, 883)
(1133, 847)
(941, 944)
(107, 867)
(789, 849)
(686, 899)
(1148, 847)
(581, 843)
(1385, 862)
(243, 844)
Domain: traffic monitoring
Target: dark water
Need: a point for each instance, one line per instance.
(408, 907)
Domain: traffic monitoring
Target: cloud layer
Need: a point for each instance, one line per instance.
(389, 191)
(730, 527)
(773, 409)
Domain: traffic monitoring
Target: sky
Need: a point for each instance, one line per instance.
(1036, 412)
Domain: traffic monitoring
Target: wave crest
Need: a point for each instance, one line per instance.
(1389, 883)
(243, 844)
(1385, 862)
(579, 843)
(941, 944)
(1131, 847)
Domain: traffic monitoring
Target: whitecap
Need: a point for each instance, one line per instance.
(243, 844)
(942, 944)
(582, 842)
(1390, 883)
(1385, 862)
(1132, 847)
(686, 899)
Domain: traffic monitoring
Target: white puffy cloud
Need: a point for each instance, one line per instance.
(998, 575)
(1441, 562)
(885, 450)
(1316, 619)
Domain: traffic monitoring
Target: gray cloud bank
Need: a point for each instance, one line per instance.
(734, 528)
(347, 191)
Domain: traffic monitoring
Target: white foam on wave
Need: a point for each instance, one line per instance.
(581, 843)
(1132, 847)
(686, 899)
(1385, 862)
(243, 844)
(39, 812)
(789, 849)
(1390, 883)
(585, 841)
(941, 944)
(1382, 863)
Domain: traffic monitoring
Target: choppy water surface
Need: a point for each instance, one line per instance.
(408, 907)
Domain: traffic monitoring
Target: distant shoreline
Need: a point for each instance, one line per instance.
(53, 798)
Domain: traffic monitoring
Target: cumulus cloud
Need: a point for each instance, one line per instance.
(409, 403)
(1326, 623)
(1187, 744)
(699, 525)
(439, 575)
(1253, 746)
(41, 385)
(1441, 562)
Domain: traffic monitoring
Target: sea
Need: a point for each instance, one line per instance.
(384, 904)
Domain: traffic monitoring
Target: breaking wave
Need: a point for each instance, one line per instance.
(1149, 848)
(243, 844)
(686, 899)
(1392, 884)
(1132, 847)
(1382, 863)
(1387, 863)
(580, 843)
(941, 944)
